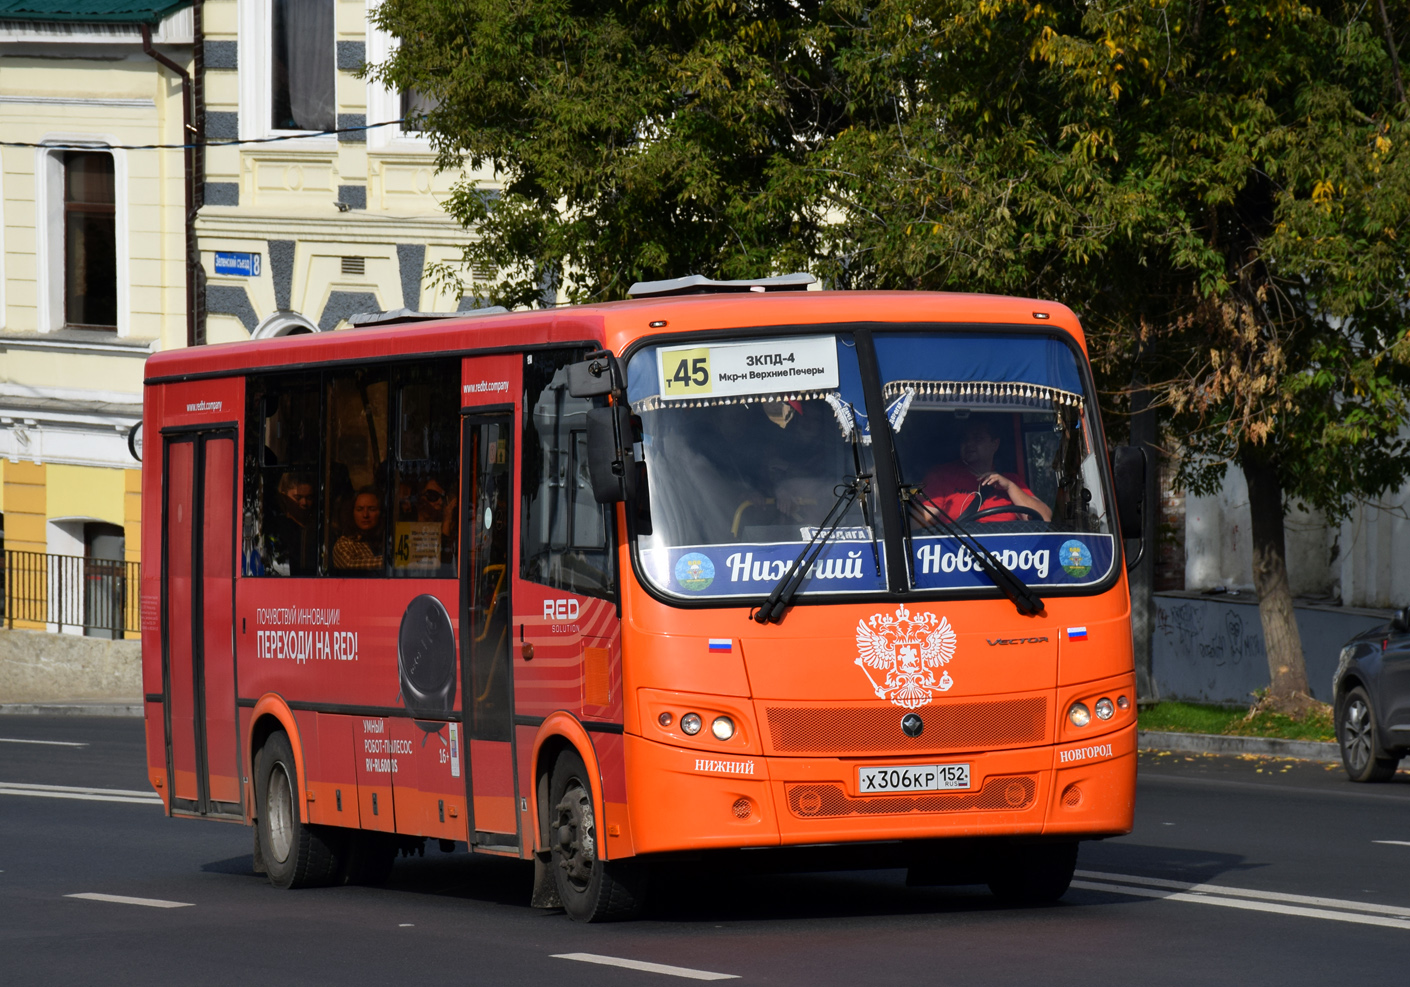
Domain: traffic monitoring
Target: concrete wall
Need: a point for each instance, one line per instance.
(1363, 562)
(1210, 648)
(40, 667)
(1219, 543)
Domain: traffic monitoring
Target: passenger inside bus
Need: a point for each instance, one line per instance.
(435, 506)
(969, 488)
(798, 460)
(290, 531)
(359, 551)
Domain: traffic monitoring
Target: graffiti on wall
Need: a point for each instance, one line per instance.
(1197, 633)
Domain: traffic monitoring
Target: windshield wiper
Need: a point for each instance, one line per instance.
(787, 587)
(1027, 602)
(866, 501)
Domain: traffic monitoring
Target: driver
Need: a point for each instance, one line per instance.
(970, 484)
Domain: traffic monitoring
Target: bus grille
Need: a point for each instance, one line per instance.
(964, 726)
(814, 801)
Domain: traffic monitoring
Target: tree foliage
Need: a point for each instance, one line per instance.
(1221, 190)
(633, 140)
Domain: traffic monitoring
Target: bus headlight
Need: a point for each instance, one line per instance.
(690, 723)
(1079, 715)
(722, 728)
(1105, 710)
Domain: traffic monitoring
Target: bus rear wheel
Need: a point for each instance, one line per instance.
(591, 889)
(1033, 873)
(296, 854)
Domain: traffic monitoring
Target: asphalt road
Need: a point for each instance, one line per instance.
(1240, 870)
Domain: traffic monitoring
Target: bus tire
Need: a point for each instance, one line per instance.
(295, 854)
(1033, 873)
(591, 889)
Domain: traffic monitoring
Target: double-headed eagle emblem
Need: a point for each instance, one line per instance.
(909, 649)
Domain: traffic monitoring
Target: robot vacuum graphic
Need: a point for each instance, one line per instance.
(426, 660)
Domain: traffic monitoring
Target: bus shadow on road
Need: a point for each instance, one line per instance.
(680, 896)
(1167, 863)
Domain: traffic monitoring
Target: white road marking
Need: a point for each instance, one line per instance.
(1306, 906)
(1252, 906)
(49, 743)
(1393, 842)
(124, 900)
(1223, 889)
(86, 794)
(670, 971)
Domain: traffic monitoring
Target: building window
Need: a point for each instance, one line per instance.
(414, 106)
(304, 72)
(90, 241)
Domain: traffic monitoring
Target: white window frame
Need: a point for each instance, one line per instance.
(384, 103)
(281, 324)
(49, 226)
(256, 60)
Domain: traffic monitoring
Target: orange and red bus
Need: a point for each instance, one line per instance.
(727, 567)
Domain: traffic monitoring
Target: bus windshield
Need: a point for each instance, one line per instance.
(747, 444)
(993, 435)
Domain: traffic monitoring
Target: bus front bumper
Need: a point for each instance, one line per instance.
(683, 800)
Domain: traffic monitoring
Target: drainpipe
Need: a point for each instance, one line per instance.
(188, 137)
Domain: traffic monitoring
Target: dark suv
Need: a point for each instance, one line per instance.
(1371, 696)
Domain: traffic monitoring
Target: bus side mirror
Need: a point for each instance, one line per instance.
(1400, 623)
(609, 449)
(599, 374)
(1130, 479)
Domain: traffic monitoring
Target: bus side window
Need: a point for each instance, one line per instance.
(567, 537)
(355, 486)
(281, 474)
(426, 469)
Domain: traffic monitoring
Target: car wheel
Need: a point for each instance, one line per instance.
(1357, 733)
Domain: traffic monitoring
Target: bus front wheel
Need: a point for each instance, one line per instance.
(296, 854)
(1033, 873)
(591, 889)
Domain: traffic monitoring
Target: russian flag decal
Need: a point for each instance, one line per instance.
(1077, 633)
(721, 644)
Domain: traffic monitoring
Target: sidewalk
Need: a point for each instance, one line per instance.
(76, 707)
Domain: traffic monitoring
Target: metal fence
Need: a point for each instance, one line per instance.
(68, 592)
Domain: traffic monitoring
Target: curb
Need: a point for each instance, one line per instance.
(120, 707)
(1213, 743)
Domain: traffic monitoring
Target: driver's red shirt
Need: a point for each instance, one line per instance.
(952, 487)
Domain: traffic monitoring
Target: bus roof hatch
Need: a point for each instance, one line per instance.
(697, 284)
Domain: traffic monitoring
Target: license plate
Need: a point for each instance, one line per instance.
(912, 778)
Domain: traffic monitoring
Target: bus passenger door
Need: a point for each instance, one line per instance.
(487, 527)
(198, 574)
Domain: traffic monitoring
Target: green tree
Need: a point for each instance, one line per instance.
(632, 140)
(1221, 191)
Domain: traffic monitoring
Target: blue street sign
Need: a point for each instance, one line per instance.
(244, 265)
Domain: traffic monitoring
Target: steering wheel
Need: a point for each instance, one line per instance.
(981, 514)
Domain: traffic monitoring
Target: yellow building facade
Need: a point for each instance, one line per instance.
(97, 262)
(340, 223)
